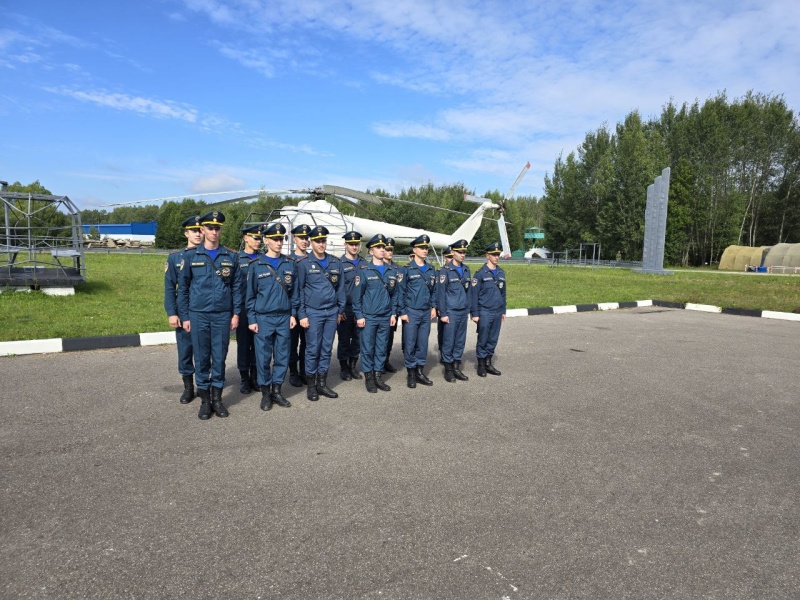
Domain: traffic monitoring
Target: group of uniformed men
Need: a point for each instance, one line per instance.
(286, 310)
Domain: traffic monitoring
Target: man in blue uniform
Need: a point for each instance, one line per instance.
(447, 254)
(322, 303)
(452, 298)
(347, 331)
(271, 309)
(194, 236)
(488, 300)
(245, 341)
(375, 305)
(417, 301)
(297, 358)
(388, 258)
(209, 302)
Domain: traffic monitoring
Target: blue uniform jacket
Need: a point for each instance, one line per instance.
(375, 294)
(244, 263)
(350, 272)
(488, 291)
(209, 286)
(271, 290)
(171, 270)
(452, 291)
(320, 288)
(417, 288)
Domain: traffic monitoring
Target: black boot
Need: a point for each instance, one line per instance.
(266, 398)
(278, 398)
(481, 367)
(354, 372)
(244, 386)
(448, 373)
(490, 367)
(254, 378)
(421, 377)
(388, 368)
(188, 389)
(379, 383)
(322, 386)
(205, 405)
(457, 371)
(369, 381)
(411, 378)
(311, 391)
(216, 402)
(345, 374)
(294, 378)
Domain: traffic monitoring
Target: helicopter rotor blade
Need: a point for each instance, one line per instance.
(477, 199)
(256, 193)
(420, 205)
(520, 177)
(501, 225)
(359, 206)
(342, 191)
(232, 200)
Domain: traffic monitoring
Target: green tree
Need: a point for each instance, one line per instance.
(169, 232)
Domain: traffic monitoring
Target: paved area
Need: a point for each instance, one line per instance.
(644, 453)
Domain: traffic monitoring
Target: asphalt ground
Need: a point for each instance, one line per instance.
(642, 453)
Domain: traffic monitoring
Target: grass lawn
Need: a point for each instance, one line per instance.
(124, 294)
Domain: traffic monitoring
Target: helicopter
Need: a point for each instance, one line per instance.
(319, 211)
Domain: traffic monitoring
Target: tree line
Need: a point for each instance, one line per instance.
(735, 169)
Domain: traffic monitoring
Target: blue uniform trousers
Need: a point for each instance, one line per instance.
(245, 345)
(185, 354)
(439, 335)
(415, 337)
(390, 339)
(298, 350)
(319, 339)
(373, 342)
(454, 336)
(272, 346)
(488, 332)
(348, 333)
(211, 335)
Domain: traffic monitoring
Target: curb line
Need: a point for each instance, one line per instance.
(49, 346)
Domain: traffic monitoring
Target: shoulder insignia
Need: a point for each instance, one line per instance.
(166, 267)
(399, 277)
(474, 282)
(357, 280)
(442, 277)
(500, 285)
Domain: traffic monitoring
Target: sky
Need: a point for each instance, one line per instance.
(112, 102)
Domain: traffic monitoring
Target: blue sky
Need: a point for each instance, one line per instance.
(121, 101)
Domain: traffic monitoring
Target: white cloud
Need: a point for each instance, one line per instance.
(252, 58)
(217, 182)
(162, 109)
(411, 130)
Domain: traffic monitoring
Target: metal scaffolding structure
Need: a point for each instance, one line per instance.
(41, 241)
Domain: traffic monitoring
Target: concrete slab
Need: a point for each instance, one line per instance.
(645, 453)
